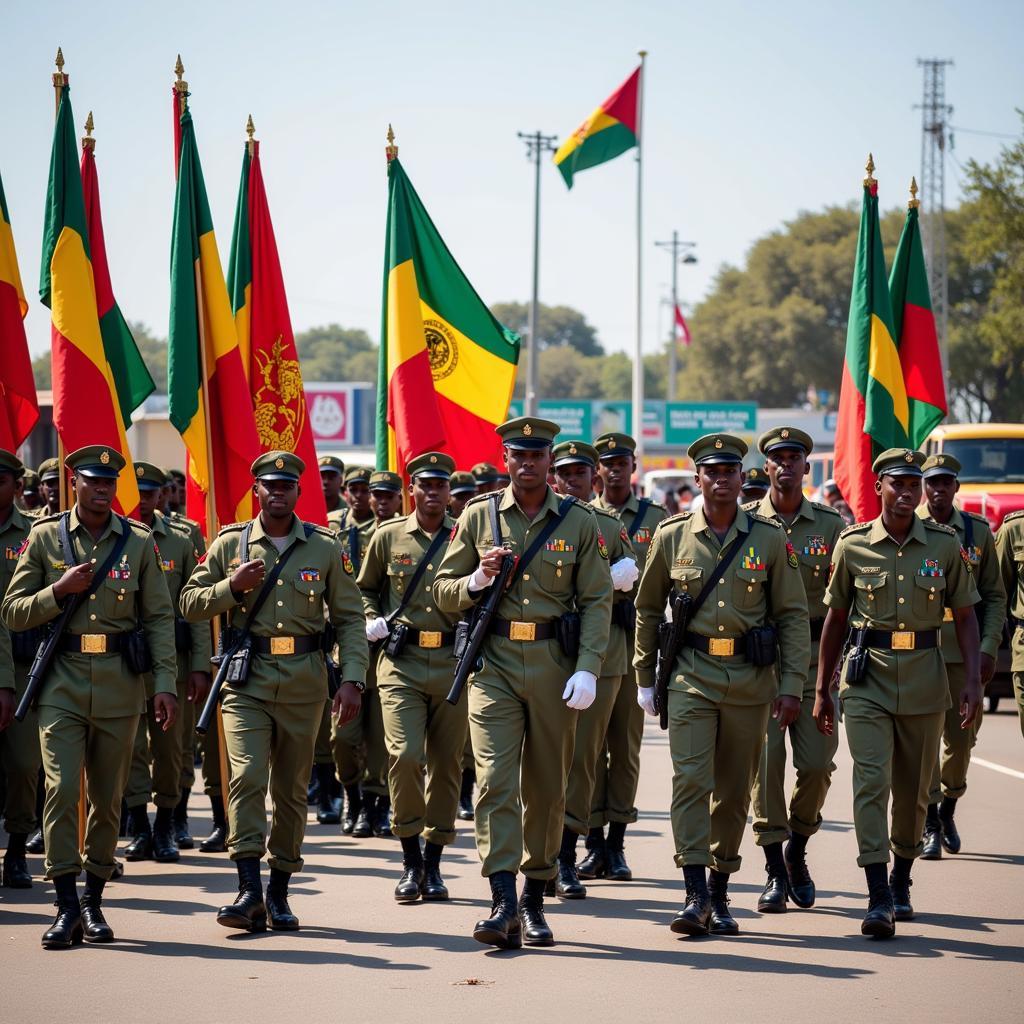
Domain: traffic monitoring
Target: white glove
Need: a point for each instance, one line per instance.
(377, 629)
(645, 698)
(580, 691)
(624, 574)
(480, 580)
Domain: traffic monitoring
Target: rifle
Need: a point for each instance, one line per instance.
(670, 639)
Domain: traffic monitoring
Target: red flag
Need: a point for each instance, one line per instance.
(682, 328)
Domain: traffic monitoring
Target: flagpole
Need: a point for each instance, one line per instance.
(638, 353)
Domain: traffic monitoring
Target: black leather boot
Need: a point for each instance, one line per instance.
(313, 787)
(880, 920)
(466, 794)
(363, 827)
(36, 844)
(773, 896)
(165, 849)
(381, 817)
(433, 887)
(279, 913)
(695, 917)
(932, 834)
(899, 886)
(408, 888)
(801, 886)
(16, 874)
(66, 930)
(503, 928)
(248, 912)
(141, 847)
(536, 931)
(182, 836)
(950, 836)
(217, 840)
(567, 883)
(722, 922)
(327, 810)
(94, 924)
(353, 805)
(616, 868)
(593, 864)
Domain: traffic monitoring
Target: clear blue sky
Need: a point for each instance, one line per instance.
(754, 112)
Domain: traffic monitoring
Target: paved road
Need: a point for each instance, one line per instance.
(360, 957)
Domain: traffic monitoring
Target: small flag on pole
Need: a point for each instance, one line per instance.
(682, 328)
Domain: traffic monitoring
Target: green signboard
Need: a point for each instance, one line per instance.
(686, 421)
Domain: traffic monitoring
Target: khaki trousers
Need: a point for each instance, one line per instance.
(589, 757)
(618, 767)
(949, 774)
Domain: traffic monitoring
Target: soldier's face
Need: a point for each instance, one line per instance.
(8, 490)
(528, 467)
(457, 503)
(940, 490)
(900, 494)
(576, 479)
(385, 503)
(277, 497)
(94, 493)
(786, 468)
(331, 482)
(49, 492)
(431, 494)
(720, 482)
(148, 501)
(617, 472)
(358, 497)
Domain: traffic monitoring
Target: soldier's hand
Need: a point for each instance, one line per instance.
(785, 710)
(987, 664)
(248, 576)
(970, 703)
(6, 708)
(824, 712)
(165, 709)
(75, 580)
(489, 567)
(198, 687)
(347, 702)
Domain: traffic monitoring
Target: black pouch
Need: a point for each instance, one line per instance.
(856, 665)
(762, 646)
(624, 615)
(238, 667)
(137, 655)
(182, 635)
(24, 645)
(462, 630)
(568, 631)
(397, 639)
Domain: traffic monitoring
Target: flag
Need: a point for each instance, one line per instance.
(873, 412)
(86, 408)
(19, 408)
(447, 367)
(682, 328)
(915, 334)
(265, 336)
(611, 129)
(201, 315)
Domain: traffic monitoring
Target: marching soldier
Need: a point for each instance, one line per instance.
(745, 611)
(293, 571)
(385, 495)
(812, 529)
(891, 578)
(1010, 549)
(487, 477)
(463, 487)
(332, 480)
(91, 699)
(521, 719)
(30, 499)
(949, 774)
(49, 485)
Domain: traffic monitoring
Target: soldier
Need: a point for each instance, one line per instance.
(949, 774)
(487, 477)
(332, 480)
(1010, 550)
(158, 753)
(49, 485)
(385, 495)
(755, 485)
(618, 768)
(30, 499)
(575, 465)
(744, 591)
(521, 719)
(90, 702)
(270, 723)
(19, 742)
(177, 493)
(356, 511)
(891, 578)
(812, 529)
(463, 487)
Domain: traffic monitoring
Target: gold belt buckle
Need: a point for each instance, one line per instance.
(947, 614)
(282, 645)
(523, 631)
(430, 639)
(94, 643)
(721, 647)
(903, 641)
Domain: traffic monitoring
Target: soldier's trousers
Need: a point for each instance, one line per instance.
(270, 746)
(187, 717)
(949, 773)
(20, 757)
(891, 754)
(523, 736)
(426, 737)
(467, 753)
(359, 748)
(209, 748)
(1018, 692)
(812, 760)
(103, 746)
(715, 752)
(589, 756)
(618, 767)
(155, 772)
(322, 748)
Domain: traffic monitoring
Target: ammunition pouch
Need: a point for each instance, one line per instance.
(624, 615)
(761, 646)
(137, 655)
(182, 635)
(397, 639)
(567, 629)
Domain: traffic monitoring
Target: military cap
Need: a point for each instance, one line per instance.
(10, 463)
(49, 469)
(463, 483)
(278, 466)
(717, 448)
(331, 464)
(178, 474)
(96, 460)
(941, 465)
(503, 478)
(432, 464)
(570, 452)
(755, 479)
(149, 477)
(612, 444)
(31, 480)
(358, 475)
(527, 433)
(383, 480)
(785, 437)
(485, 473)
(898, 462)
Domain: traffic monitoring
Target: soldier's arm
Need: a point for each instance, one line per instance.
(208, 592)
(1007, 563)
(838, 598)
(373, 574)
(202, 645)
(651, 594)
(451, 584)
(157, 614)
(593, 597)
(961, 587)
(6, 661)
(29, 602)
(346, 611)
(787, 605)
(993, 597)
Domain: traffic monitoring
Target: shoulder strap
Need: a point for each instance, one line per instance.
(641, 510)
(492, 513)
(563, 508)
(243, 543)
(68, 549)
(440, 537)
(727, 560)
(353, 547)
(968, 531)
(269, 583)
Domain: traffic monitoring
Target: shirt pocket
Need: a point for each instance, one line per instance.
(748, 588)
(688, 579)
(929, 598)
(556, 573)
(398, 578)
(116, 600)
(874, 595)
(307, 599)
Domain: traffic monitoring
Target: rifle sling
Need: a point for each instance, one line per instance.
(641, 510)
(727, 559)
(70, 556)
(549, 528)
(439, 538)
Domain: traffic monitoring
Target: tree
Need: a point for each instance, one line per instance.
(558, 326)
(337, 353)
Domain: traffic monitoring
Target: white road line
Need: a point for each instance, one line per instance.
(1012, 772)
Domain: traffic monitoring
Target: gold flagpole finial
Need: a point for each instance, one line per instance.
(90, 126)
(391, 150)
(181, 86)
(59, 61)
(870, 168)
(641, 54)
(179, 68)
(914, 201)
(250, 130)
(60, 80)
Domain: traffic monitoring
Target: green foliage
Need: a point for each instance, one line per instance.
(337, 353)
(559, 326)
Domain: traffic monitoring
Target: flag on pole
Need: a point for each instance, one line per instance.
(86, 406)
(873, 411)
(610, 130)
(682, 328)
(447, 367)
(201, 316)
(265, 336)
(915, 334)
(19, 408)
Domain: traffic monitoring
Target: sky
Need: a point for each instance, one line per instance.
(753, 113)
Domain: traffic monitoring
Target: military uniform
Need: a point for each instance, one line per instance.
(1010, 550)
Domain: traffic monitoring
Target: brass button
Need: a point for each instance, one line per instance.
(933, 590)
(870, 587)
(122, 590)
(312, 592)
(93, 560)
(429, 609)
(401, 572)
(903, 625)
(903, 600)
(721, 629)
(280, 604)
(120, 597)
(558, 572)
(93, 618)
(900, 578)
(871, 597)
(92, 597)
(526, 600)
(721, 582)
(931, 597)
(749, 589)
(789, 531)
(721, 604)
(559, 562)
(429, 567)
(280, 625)
(526, 576)
(899, 554)
(280, 583)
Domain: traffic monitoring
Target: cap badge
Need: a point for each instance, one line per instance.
(527, 429)
(572, 449)
(104, 457)
(908, 456)
(941, 460)
(139, 472)
(279, 462)
(433, 458)
(718, 442)
(784, 434)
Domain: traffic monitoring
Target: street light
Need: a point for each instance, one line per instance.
(682, 252)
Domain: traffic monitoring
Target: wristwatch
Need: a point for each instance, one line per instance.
(359, 684)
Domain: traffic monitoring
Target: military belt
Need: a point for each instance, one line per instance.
(899, 639)
(716, 646)
(92, 643)
(524, 631)
(430, 639)
(279, 645)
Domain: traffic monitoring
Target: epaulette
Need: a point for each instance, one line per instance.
(679, 517)
(979, 518)
(651, 503)
(46, 519)
(751, 506)
(177, 524)
(477, 498)
(764, 519)
(324, 531)
(1014, 516)
(941, 527)
(855, 528)
(179, 518)
(232, 527)
(822, 507)
(603, 512)
(146, 531)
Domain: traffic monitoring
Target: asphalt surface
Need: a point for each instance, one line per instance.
(360, 956)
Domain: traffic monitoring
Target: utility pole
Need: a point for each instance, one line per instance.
(536, 145)
(682, 252)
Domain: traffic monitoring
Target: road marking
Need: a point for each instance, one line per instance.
(1012, 772)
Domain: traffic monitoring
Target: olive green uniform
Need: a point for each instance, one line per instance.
(718, 704)
(270, 724)
(90, 704)
(894, 717)
(1010, 550)
(812, 534)
(522, 730)
(949, 774)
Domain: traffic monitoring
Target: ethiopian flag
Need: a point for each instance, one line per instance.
(86, 408)
(915, 332)
(202, 338)
(19, 408)
(610, 130)
(447, 367)
(873, 410)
